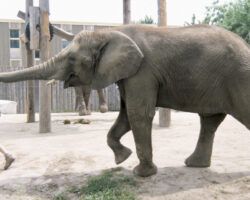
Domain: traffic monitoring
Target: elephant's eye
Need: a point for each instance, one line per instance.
(86, 61)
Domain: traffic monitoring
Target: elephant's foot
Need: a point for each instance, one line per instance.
(122, 155)
(145, 170)
(8, 161)
(103, 108)
(198, 160)
(83, 112)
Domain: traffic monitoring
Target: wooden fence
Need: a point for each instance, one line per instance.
(63, 100)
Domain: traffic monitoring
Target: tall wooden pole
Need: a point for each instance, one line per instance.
(30, 106)
(164, 114)
(44, 89)
(162, 13)
(126, 12)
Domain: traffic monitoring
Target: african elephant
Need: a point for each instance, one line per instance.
(82, 100)
(201, 69)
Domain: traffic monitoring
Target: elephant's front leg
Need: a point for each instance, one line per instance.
(141, 124)
(120, 127)
(140, 117)
(201, 157)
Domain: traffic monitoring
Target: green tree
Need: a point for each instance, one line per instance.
(232, 16)
(147, 20)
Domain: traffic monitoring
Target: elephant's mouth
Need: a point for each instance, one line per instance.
(71, 81)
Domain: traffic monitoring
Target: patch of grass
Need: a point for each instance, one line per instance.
(60, 196)
(107, 186)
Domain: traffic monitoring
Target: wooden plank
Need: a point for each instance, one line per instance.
(57, 31)
(30, 107)
(21, 14)
(34, 13)
(44, 89)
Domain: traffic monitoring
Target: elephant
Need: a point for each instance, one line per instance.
(82, 100)
(200, 69)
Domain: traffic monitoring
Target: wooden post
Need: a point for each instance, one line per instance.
(57, 31)
(126, 12)
(44, 89)
(162, 13)
(34, 13)
(30, 62)
(164, 114)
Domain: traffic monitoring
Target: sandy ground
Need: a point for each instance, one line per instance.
(48, 163)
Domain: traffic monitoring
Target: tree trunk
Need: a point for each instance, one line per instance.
(126, 12)
(164, 114)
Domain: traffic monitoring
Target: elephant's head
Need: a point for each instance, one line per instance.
(93, 58)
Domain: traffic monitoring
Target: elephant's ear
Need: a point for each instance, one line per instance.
(119, 58)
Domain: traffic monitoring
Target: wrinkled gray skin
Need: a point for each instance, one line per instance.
(200, 69)
(82, 100)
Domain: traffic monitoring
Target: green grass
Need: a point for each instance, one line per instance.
(107, 186)
(60, 196)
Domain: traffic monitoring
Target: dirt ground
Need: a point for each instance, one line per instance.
(48, 163)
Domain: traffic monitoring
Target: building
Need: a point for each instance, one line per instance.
(12, 52)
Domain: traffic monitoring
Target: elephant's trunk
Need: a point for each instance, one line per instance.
(54, 68)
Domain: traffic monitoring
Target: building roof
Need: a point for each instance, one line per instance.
(66, 22)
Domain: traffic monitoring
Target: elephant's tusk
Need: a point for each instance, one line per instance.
(51, 82)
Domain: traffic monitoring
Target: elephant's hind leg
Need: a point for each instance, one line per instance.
(120, 127)
(102, 101)
(82, 98)
(201, 157)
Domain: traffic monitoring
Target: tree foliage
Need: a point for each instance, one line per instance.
(232, 16)
(147, 20)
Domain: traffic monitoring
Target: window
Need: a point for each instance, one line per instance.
(14, 44)
(14, 39)
(14, 33)
(37, 54)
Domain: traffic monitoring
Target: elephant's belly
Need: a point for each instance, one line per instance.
(189, 103)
